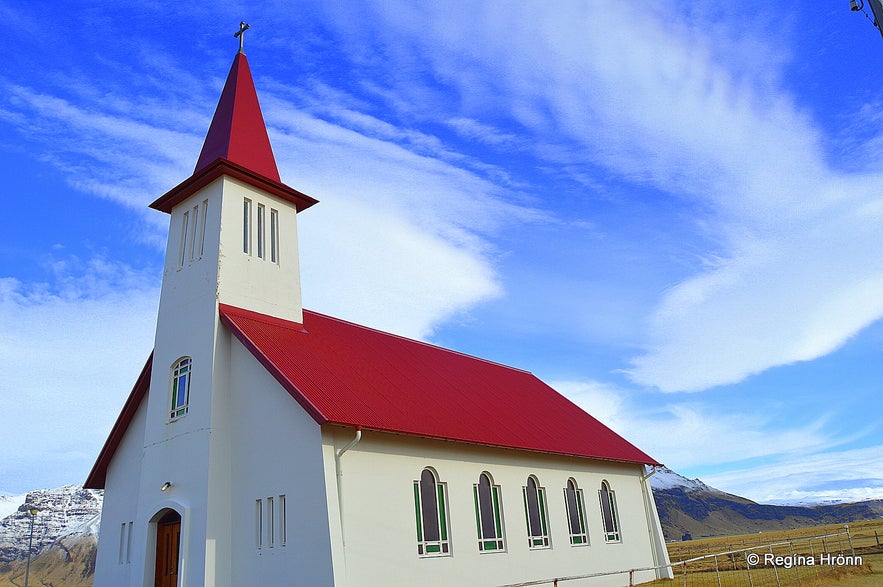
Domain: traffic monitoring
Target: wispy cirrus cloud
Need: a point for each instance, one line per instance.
(656, 97)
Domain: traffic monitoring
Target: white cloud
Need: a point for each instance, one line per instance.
(692, 434)
(849, 475)
(658, 99)
(70, 350)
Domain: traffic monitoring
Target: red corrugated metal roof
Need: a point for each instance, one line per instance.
(350, 375)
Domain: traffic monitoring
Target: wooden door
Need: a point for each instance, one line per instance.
(168, 542)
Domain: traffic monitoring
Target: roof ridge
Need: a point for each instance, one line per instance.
(267, 319)
(420, 342)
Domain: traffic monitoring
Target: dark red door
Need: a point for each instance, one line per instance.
(168, 540)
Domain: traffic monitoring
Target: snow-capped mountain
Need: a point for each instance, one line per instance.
(66, 511)
(665, 478)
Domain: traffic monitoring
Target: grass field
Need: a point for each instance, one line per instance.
(801, 563)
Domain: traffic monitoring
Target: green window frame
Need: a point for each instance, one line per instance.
(180, 388)
(576, 513)
(488, 516)
(535, 514)
(609, 513)
(430, 504)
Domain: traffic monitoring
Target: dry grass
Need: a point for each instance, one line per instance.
(864, 537)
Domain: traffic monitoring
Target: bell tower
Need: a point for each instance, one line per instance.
(232, 240)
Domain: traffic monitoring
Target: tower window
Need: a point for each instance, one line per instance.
(180, 396)
(260, 243)
(274, 236)
(185, 225)
(202, 229)
(246, 226)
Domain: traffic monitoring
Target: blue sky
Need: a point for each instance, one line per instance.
(669, 211)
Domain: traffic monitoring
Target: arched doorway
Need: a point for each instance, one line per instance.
(168, 547)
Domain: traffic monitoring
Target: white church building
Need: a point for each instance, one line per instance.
(266, 445)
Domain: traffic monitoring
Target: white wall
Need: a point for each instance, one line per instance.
(121, 483)
(276, 449)
(380, 521)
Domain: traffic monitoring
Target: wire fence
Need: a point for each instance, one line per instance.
(798, 561)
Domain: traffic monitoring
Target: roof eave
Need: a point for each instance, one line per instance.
(222, 166)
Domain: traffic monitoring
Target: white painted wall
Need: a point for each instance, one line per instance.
(380, 524)
(122, 482)
(276, 449)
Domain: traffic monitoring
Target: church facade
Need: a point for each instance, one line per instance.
(266, 445)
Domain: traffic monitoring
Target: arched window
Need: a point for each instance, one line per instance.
(576, 513)
(430, 502)
(609, 513)
(535, 512)
(180, 393)
(488, 518)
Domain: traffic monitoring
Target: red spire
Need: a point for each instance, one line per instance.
(238, 132)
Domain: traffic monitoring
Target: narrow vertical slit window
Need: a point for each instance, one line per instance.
(430, 503)
(609, 513)
(488, 518)
(260, 243)
(246, 226)
(271, 522)
(202, 229)
(124, 541)
(185, 224)
(576, 516)
(535, 514)
(193, 232)
(180, 394)
(259, 523)
(274, 236)
(283, 522)
(129, 542)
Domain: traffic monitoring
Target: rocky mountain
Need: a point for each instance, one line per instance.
(64, 511)
(688, 508)
(64, 539)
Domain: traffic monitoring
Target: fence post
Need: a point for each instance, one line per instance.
(631, 577)
(775, 569)
(849, 537)
(717, 573)
(685, 574)
(748, 570)
(794, 558)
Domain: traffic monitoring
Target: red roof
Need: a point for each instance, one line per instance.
(237, 132)
(345, 374)
(350, 375)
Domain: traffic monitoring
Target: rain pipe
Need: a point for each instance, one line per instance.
(339, 468)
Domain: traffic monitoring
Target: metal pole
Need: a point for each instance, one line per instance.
(33, 514)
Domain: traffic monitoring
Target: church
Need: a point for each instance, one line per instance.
(267, 445)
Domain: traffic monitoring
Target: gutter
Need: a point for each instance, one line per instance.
(338, 466)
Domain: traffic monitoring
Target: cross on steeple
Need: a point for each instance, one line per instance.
(243, 26)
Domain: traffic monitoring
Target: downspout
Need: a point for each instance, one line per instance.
(339, 469)
(657, 541)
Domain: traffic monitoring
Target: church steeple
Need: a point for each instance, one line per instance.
(237, 132)
(233, 229)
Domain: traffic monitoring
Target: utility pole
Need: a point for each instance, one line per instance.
(33, 513)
